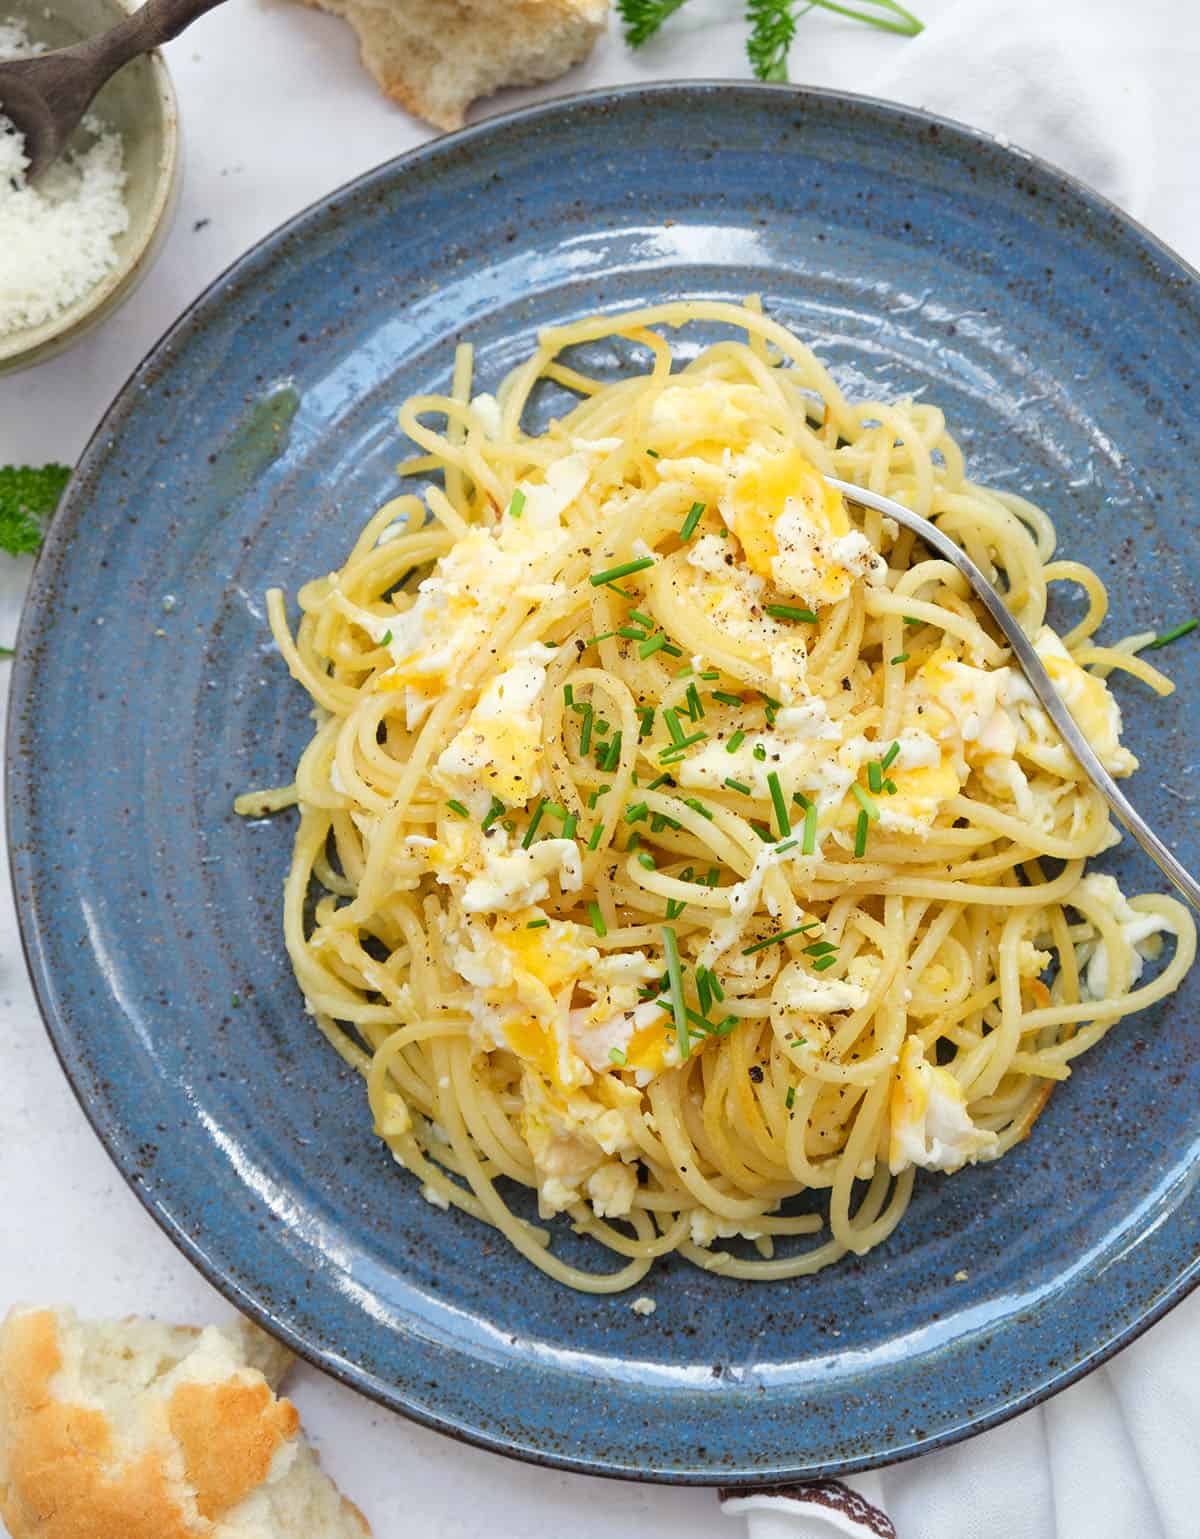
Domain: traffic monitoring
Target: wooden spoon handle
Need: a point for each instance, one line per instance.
(153, 24)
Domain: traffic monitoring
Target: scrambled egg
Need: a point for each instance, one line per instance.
(794, 529)
(930, 1123)
(499, 751)
(1138, 930)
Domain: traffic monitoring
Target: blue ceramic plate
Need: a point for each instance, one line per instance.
(247, 451)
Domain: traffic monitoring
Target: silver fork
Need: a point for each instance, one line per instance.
(1039, 681)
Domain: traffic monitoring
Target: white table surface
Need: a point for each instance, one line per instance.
(276, 112)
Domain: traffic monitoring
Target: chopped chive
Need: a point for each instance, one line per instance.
(890, 787)
(789, 1100)
(735, 742)
(596, 640)
(697, 806)
(900, 657)
(517, 506)
(711, 673)
(658, 781)
(537, 924)
(822, 963)
(495, 811)
(760, 753)
(1173, 635)
(819, 949)
(618, 1056)
(613, 756)
(631, 632)
(601, 727)
(703, 990)
(653, 453)
(670, 650)
(890, 757)
(626, 569)
(874, 777)
(860, 835)
(809, 844)
(671, 717)
(570, 824)
(726, 698)
(763, 832)
(737, 785)
(597, 919)
(714, 984)
(869, 809)
(458, 809)
(695, 704)
(682, 673)
(675, 751)
(713, 879)
(694, 515)
(675, 977)
(912, 620)
(533, 824)
(782, 820)
(619, 591)
(801, 800)
(637, 812)
(508, 825)
(385, 638)
(585, 728)
(556, 810)
(781, 849)
(646, 721)
(652, 645)
(597, 835)
(782, 935)
(568, 696)
(632, 843)
(647, 860)
(675, 907)
(790, 612)
(640, 619)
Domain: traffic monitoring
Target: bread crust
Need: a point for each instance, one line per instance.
(435, 57)
(179, 1467)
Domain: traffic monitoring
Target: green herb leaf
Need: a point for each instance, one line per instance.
(1168, 637)
(626, 569)
(790, 612)
(775, 940)
(772, 28)
(688, 528)
(517, 506)
(29, 494)
(458, 809)
(675, 977)
(597, 919)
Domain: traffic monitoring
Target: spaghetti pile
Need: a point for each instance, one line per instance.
(683, 838)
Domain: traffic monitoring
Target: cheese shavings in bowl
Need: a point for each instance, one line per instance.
(58, 239)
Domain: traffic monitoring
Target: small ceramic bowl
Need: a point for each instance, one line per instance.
(139, 101)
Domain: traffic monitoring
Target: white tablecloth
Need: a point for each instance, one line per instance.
(276, 112)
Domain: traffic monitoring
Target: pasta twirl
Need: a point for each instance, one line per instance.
(678, 839)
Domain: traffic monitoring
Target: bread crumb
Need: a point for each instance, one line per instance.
(643, 1306)
(961, 1276)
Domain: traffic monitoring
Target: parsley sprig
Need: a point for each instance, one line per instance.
(772, 25)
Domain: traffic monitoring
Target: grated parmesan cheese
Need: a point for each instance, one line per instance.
(57, 240)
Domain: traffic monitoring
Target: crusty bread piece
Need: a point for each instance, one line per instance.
(136, 1430)
(435, 57)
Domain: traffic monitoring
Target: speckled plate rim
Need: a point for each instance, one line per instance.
(18, 774)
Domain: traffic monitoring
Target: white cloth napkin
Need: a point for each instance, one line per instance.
(1107, 91)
